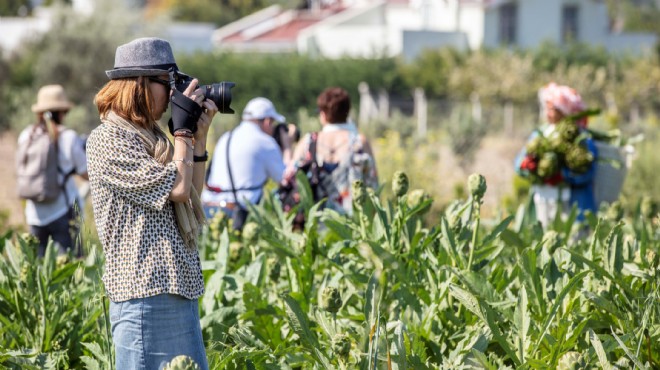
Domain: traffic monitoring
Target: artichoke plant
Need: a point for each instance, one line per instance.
(341, 344)
(417, 197)
(250, 231)
(400, 183)
(548, 165)
(331, 299)
(477, 185)
(182, 362)
(568, 130)
(537, 146)
(579, 158)
(359, 191)
(571, 361)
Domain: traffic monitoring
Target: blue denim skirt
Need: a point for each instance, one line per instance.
(150, 332)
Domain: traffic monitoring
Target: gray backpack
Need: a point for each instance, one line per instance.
(37, 167)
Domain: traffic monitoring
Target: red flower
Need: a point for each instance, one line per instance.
(528, 163)
(554, 179)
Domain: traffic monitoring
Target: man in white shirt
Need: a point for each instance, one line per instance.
(239, 170)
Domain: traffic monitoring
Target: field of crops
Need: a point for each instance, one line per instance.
(378, 290)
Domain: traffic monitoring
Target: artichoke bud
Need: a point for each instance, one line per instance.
(571, 361)
(275, 271)
(536, 146)
(24, 274)
(552, 241)
(331, 299)
(456, 224)
(62, 260)
(417, 197)
(182, 362)
(250, 231)
(341, 345)
(652, 258)
(359, 192)
(235, 249)
(578, 158)
(615, 211)
(558, 144)
(400, 183)
(647, 208)
(568, 130)
(477, 185)
(548, 165)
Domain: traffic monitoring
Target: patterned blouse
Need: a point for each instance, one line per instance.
(144, 252)
(336, 179)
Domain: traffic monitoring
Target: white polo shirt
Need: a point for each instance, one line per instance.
(254, 157)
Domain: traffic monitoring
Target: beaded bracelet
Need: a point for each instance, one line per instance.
(187, 162)
(184, 133)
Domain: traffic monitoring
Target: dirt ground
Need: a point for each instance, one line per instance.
(494, 160)
(8, 200)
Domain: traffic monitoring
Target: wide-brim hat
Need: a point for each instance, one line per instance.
(51, 98)
(147, 56)
(260, 108)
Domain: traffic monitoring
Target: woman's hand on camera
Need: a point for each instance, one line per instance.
(204, 123)
(194, 92)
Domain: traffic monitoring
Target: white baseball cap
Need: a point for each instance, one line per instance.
(260, 108)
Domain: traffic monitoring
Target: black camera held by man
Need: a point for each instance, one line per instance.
(286, 129)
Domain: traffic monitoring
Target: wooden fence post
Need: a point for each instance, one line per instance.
(421, 111)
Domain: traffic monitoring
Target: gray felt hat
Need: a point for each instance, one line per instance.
(148, 56)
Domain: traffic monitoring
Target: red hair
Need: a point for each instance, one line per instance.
(130, 98)
(335, 103)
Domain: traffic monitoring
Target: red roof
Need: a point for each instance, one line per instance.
(288, 31)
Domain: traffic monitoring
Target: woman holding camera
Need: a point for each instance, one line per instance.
(146, 205)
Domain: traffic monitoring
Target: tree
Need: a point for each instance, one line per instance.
(12, 8)
(75, 53)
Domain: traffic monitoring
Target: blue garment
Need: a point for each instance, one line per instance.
(150, 332)
(581, 185)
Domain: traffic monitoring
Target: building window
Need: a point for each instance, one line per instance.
(508, 23)
(569, 23)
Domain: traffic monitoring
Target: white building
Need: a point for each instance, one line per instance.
(368, 28)
(185, 37)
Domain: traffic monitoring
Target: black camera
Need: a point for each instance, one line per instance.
(283, 129)
(219, 93)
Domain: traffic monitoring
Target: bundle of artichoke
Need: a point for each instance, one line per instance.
(565, 147)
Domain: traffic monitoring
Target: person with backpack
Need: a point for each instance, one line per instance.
(244, 159)
(336, 156)
(48, 156)
(146, 205)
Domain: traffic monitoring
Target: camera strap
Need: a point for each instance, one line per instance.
(231, 178)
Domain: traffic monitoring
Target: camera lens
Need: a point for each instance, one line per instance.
(220, 94)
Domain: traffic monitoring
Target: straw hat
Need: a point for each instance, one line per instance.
(147, 56)
(51, 98)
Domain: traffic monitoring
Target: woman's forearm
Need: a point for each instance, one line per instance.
(183, 158)
(199, 168)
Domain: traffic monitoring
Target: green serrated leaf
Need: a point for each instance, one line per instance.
(600, 351)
